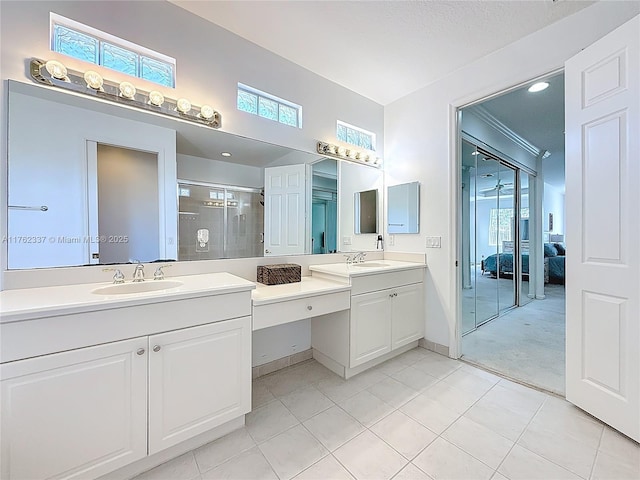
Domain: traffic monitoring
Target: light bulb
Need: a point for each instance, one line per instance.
(183, 105)
(156, 98)
(225, 154)
(352, 154)
(207, 112)
(341, 151)
(93, 79)
(127, 90)
(330, 149)
(56, 69)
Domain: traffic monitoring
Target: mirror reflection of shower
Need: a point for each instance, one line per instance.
(324, 206)
(219, 221)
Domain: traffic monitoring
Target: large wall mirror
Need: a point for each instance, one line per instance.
(95, 183)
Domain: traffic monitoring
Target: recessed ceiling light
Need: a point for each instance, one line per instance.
(475, 153)
(225, 154)
(538, 87)
(486, 175)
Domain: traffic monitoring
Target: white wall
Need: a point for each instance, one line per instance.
(420, 141)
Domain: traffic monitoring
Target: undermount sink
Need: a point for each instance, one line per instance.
(370, 265)
(137, 287)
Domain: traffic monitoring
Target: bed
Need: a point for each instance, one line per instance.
(554, 264)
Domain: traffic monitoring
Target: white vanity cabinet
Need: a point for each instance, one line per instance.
(387, 316)
(168, 370)
(199, 378)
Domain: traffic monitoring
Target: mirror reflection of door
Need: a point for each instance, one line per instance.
(324, 206)
(123, 190)
(366, 211)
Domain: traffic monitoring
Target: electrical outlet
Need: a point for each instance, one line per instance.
(392, 240)
(346, 240)
(434, 242)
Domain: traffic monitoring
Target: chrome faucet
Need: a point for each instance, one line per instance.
(359, 257)
(118, 277)
(159, 274)
(349, 259)
(138, 273)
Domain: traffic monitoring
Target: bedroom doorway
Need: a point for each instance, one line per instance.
(495, 218)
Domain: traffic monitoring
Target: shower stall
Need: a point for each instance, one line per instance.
(219, 221)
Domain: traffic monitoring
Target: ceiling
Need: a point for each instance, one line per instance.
(383, 50)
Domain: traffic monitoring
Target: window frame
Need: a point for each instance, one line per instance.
(348, 126)
(267, 96)
(107, 38)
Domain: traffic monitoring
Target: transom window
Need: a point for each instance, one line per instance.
(356, 136)
(265, 105)
(100, 48)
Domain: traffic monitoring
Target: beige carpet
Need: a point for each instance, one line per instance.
(526, 344)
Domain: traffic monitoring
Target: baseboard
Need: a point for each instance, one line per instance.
(433, 346)
(280, 363)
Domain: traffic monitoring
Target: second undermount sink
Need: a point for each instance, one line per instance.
(370, 265)
(137, 287)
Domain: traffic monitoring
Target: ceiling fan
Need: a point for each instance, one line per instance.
(498, 187)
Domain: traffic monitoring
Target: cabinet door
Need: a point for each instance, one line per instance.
(77, 414)
(407, 314)
(199, 378)
(370, 326)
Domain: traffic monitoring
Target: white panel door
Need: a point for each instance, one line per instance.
(77, 414)
(407, 315)
(284, 210)
(370, 326)
(199, 378)
(603, 228)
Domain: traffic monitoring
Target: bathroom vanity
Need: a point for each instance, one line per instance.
(386, 316)
(93, 381)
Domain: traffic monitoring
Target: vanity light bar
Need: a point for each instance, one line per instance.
(347, 153)
(55, 74)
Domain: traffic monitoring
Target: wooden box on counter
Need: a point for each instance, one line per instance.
(279, 274)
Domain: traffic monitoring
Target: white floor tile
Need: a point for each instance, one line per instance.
(439, 368)
(338, 389)
(306, 402)
(411, 472)
(498, 418)
(394, 365)
(498, 476)
(333, 427)
(393, 392)
(183, 467)
(470, 382)
(213, 454)
(430, 413)
(404, 434)
(368, 457)
(248, 465)
(443, 460)
(521, 464)
(608, 467)
(269, 420)
(325, 469)
(285, 381)
(292, 451)
(617, 445)
(366, 408)
(414, 378)
(451, 397)
(260, 394)
(562, 447)
(477, 440)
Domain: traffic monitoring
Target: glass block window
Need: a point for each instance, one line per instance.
(356, 136)
(265, 105)
(100, 48)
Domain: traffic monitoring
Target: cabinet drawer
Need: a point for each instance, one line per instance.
(381, 281)
(292, 310)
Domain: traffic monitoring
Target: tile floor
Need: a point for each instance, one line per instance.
(419, 416)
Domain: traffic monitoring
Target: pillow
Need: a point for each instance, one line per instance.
(550, 250)
(560, 248)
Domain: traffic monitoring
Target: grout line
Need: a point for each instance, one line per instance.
(595, 458)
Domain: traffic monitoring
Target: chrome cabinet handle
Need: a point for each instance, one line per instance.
(140, 351)
(157, 348)
(309, 307)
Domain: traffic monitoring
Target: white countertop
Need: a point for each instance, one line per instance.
(28, 303)
(309, 286)
(370, 267)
